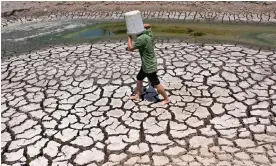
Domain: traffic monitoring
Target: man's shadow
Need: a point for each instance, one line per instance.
(150, 94)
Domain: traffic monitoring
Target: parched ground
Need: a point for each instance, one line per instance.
(237, 12)
(68, 106)
(31, 8)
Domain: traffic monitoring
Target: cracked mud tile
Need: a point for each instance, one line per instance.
(77, 113)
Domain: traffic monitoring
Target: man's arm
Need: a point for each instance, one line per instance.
(137, 44)
(130, 46)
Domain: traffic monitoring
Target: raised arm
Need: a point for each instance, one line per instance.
(138, 44)
(130, 45)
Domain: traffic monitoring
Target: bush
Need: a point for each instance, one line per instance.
(189, 30)
(198, 34)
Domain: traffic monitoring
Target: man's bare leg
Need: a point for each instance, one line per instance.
(138, 91)
(161, 90)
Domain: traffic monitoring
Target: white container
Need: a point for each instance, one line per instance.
(134, 22)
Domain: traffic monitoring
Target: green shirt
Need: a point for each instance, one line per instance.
(145, 44)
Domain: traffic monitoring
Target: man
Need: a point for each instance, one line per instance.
(145, 45)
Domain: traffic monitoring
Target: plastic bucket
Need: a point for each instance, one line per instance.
(134, 22)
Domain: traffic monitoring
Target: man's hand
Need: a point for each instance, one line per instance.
(147, 26)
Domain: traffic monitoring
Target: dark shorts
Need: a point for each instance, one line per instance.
(153, 78)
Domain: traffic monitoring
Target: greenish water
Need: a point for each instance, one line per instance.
(92, 33)
(253, 35)
(58, 33)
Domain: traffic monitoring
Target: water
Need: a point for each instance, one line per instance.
(95, 33)
(23, 38)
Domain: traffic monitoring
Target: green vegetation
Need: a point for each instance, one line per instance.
(189, 30)
(198, 34)
(253, 35)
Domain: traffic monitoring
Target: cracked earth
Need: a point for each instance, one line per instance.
(223, 17)
(67, 105)
(226, 12)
